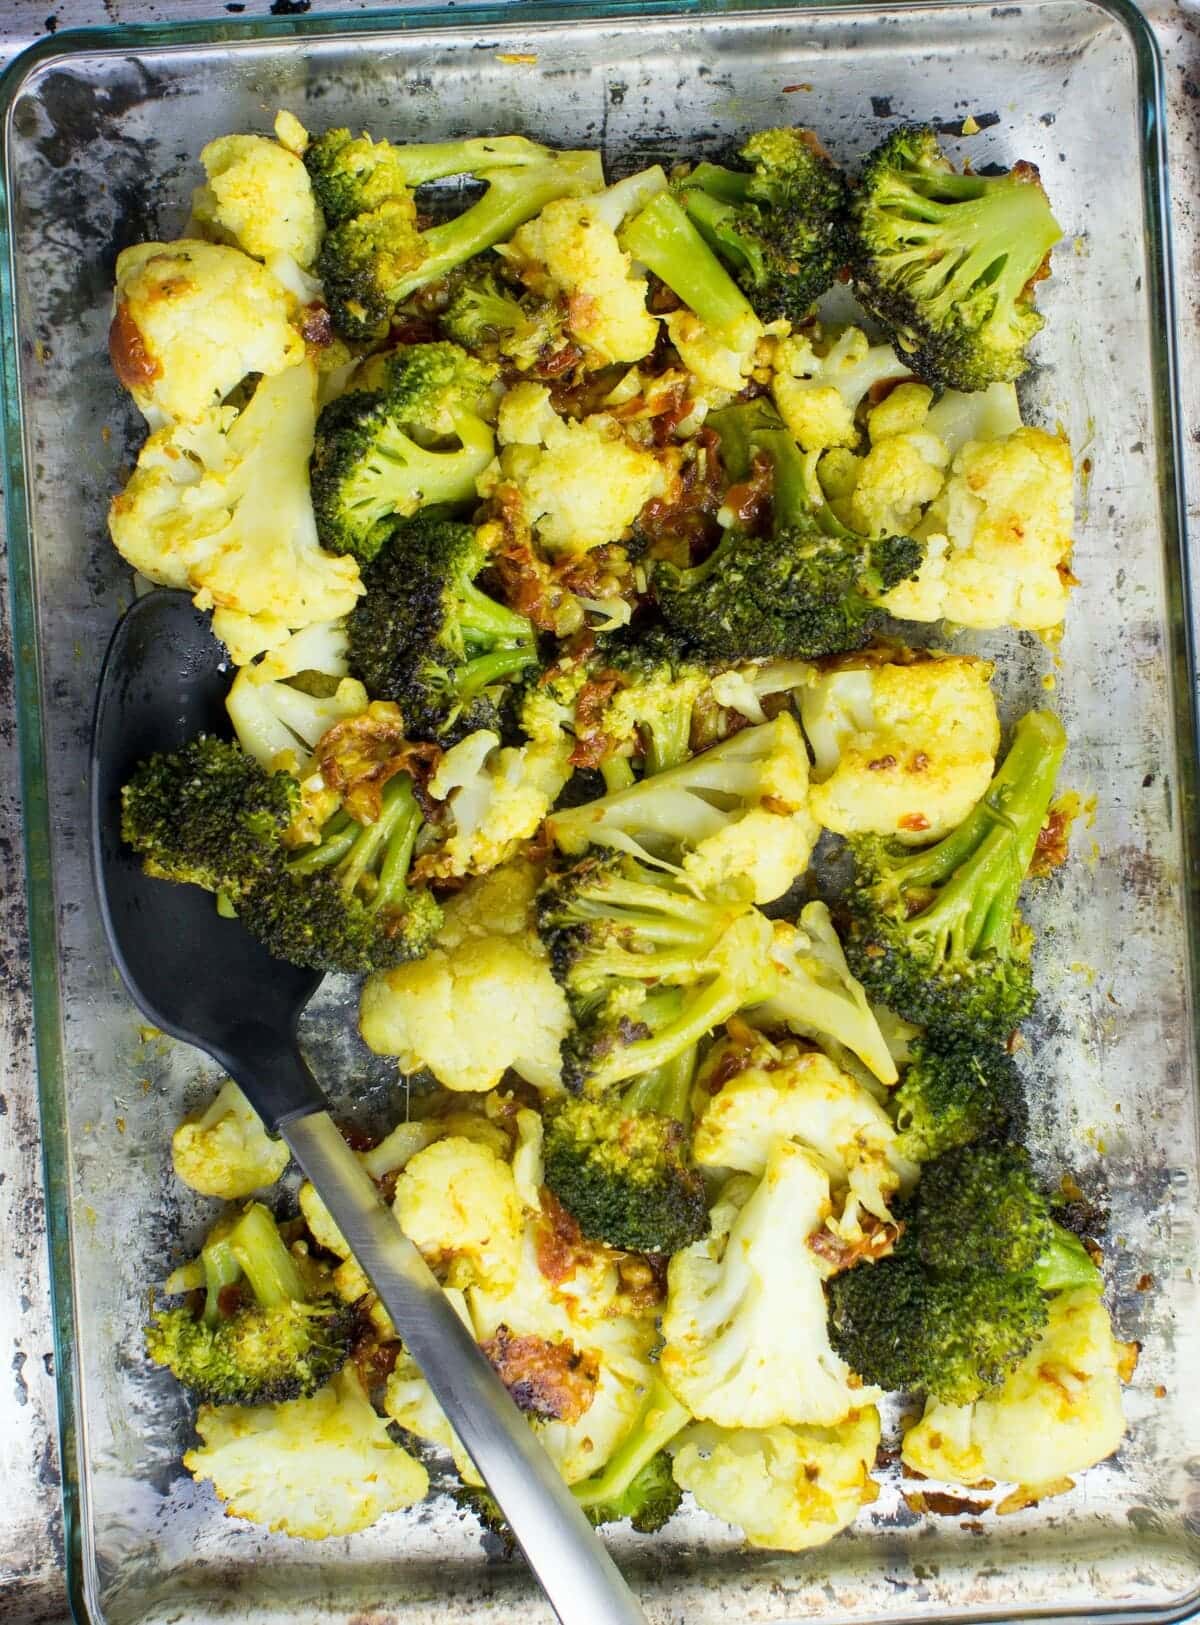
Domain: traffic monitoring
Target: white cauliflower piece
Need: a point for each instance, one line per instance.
(221, 508)
(819, 383)
(900, 749)
(309, 1467)
(999, 538)
(746, 1341)
(787, 1488)
(581, 484)
(457, 1202)
(570, 251)
(985, 414)
(897, 480)
(497, 798)
(1057, 1413)
(260, 196)
(707, 357)
(470, 1012)
(793, 1094)
(278, 723)
(225, 1149)
(735, 818)
(191, 320)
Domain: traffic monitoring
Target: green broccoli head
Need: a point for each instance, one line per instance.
(502, 323)
(374, 256)
(935, 934)
(949, 262)
(416, 438)
(963, 1296)
(263, 1337)
(344, 904)
(956, 1091)
(649, 966)
(425, 636)
(655, 707)
(650, 1499)
(808, 586)
(779, 224)
(208, 815)
(620, 1164)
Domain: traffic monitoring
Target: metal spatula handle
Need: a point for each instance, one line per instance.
(581, 1580)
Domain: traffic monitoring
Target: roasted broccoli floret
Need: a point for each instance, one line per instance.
(207, 815)
(375, 254)
(502, 323)
(959, 1302)
(935, 934)
(956, 1091)
(649, 966)
(778, 224)
(804, 587)
(262, 1336)
(621, 1165)
(425, 636)
(636, 1481)
(415, 438)
(650, 690)
(949, 262)
(344, 904)
(663, 238)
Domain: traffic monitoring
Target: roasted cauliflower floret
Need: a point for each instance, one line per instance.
(745, 1336)
(220, 507)
(191, 320)
(497, 798)
(788, 1488)
(999, 538)
(469, 1012)
(580, 483)
(279, 721)
(900, 749)
(897, 480)
(309, 1467)
(570, 251)
(1057, 1413)
(789, 1093)
(820, 381)
(457, 1202)
(259, 194)
(225, 1149)
(708, 357)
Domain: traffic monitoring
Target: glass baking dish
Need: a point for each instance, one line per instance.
(101, 132)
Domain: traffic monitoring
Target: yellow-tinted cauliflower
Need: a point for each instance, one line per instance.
(192, 320)
(310, 1467)
(1058, 1413)
(221, 508)
(901, 748)
(746, 1341)
(570, 251)
(820, 381)
(259, 194)
(788, 1488)
(790, 1093)
(999, 538)
(897, 480)
(225, 1150)
(496, 797)
(278, 721)
(580, 483)
(457, 1202)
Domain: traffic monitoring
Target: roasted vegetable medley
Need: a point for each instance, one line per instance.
(591, 569)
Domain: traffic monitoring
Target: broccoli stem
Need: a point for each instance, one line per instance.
(659, 1419)
(259, 1249)
(617, 773)
(719, 224)
(664, 239)
(695, 1015)
(668, 740)
(424, 161)
(729, 185)
(513, 196)
(981, 865)
(483, 620)
(1065, 1264)
(480, 673)
(666, 1091)
(221, 1269)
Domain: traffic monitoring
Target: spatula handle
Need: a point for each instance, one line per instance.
(581, 1580)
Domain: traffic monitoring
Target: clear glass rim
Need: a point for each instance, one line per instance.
(153, 37)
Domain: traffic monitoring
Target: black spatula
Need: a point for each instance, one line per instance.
(204, 980)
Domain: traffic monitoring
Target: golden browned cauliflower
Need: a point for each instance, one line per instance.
(191, 320)
(259, 196)
(225, 1149)
(457, 1202)
(902, 748)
